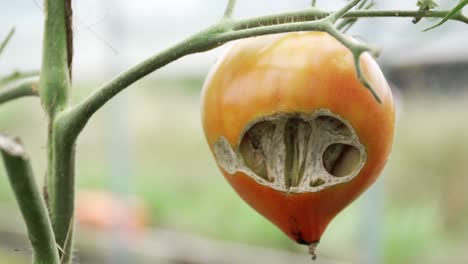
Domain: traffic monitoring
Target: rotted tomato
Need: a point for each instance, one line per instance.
(294, 131)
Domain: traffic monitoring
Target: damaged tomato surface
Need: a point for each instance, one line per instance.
(294, 131)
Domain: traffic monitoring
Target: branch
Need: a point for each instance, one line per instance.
(340, 13)
(347, 23)
(405, 13)
(16, 76)
(30, 201)
(315, 14)
(6, 40)
(229, 9)
(457, 10)
(217, 35)
(357, 49)
(19, 89)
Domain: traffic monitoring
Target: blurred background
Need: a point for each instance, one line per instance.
(148, 188)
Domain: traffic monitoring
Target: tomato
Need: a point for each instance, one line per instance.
(294, 131)
(104, 211)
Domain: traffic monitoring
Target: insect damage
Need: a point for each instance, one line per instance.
(295, 152)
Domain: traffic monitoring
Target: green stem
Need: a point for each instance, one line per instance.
(6, 40)
(337, 15)
(229, 9)
(18, 89)
(16, 76)
(456, 11)
(61, 185)
(54, 86)
(347, 23)
(315, 14)
(357, 50)
(54, 79)
(405, 13)
(283, 18)
(30, 201)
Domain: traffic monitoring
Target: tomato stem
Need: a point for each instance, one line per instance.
(30, 202)
(18, 89)
(338, 14)
(54, 86)
(54, 78)
(229, 9)
(357, 49)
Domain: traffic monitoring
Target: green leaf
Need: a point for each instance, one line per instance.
(455, 11)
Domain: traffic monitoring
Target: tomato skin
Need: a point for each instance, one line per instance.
(298, 72)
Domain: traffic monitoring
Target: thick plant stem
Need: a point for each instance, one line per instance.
(30, 201)
(53, 91)
(54, 79)
(60, 185)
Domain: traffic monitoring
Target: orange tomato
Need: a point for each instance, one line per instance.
(294, 131)
(104, 211)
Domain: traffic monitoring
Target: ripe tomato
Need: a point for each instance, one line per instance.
(294, 131)
(103, 211)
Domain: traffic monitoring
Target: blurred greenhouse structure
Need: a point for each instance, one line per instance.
(149, 144)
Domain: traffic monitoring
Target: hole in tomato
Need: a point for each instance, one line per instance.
(254, 148)
(341, 159)
(295, 152)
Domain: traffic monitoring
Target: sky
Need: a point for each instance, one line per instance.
(121, 33)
